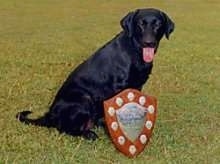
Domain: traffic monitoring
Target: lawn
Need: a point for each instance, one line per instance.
(42, 41)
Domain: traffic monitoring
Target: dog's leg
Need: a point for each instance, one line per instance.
(100, 122)
(87, 133)
(73, 119)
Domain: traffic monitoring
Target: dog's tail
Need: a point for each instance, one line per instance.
(42, 121)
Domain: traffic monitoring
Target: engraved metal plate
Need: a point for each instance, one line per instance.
(130, 117)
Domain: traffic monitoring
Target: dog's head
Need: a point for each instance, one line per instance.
(146, 27)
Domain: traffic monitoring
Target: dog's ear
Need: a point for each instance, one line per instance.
(169, 25)
(127, 23)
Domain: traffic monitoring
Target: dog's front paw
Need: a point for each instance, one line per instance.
(100, 122)
(90, 135)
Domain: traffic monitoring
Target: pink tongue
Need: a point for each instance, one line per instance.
(148, 54)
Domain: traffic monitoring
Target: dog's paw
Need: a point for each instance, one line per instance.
(90, 135)
(100, 122)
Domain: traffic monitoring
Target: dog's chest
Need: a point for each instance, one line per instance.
(139, 74)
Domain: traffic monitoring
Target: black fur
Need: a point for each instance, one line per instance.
(118, 65)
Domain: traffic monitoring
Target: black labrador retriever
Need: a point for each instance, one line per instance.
(124, 62)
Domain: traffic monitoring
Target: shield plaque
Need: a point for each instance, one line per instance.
(130, 117)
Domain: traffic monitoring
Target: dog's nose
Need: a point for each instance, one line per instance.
(149, 44)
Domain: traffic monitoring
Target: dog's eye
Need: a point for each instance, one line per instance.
(158, 24)
(140, 26)
(141, 23)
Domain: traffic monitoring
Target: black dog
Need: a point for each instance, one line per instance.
(124, 62)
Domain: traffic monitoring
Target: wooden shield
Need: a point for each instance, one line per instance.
(130, 117)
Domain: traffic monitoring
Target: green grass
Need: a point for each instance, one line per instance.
(42, 41)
